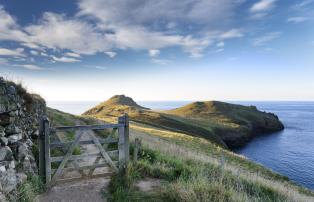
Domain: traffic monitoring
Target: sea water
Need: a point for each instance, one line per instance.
(289, 152)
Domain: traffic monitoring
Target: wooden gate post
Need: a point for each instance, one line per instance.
(137, 145)
(47, 150)
(41, 143)
(44, 150)
(123, 142)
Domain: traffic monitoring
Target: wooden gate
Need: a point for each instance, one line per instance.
(61, 163)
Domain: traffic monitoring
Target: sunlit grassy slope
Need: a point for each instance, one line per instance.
(222, 123)
(195, 169)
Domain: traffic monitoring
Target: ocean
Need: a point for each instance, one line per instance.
(289, 152)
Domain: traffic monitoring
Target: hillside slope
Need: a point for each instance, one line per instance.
(194, 169)
(222, 123)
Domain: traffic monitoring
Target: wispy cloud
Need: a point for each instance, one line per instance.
(153, 52)
(161, 61)
(65, 59)
(30, 67)
(260, 9)
(70, 54)
(297, 19)
(263, 40)
(262, 6)
(233, 33)
(9, 52)
(111, 54)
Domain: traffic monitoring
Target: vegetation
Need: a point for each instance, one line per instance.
(222, 123)
(185, 179)
(27, 191)
(192, 168)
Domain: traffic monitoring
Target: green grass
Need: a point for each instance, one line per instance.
(187, 180)
(27, 191)
(222, 123)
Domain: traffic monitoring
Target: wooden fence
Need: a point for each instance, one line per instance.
(51, 176)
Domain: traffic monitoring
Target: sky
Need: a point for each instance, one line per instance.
(160, 50)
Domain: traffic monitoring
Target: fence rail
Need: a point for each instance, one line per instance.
(45, 159)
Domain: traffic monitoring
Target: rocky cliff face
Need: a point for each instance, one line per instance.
(19, 117)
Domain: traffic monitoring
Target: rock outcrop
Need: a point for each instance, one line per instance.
(19, 118)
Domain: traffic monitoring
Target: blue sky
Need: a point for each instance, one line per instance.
(160, 50)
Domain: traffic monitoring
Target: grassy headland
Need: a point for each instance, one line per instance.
(192, 168)
(223, 123)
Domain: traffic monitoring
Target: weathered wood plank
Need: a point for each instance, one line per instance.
(103, 152)
(41, 142)
(66, 144)
(136, 149)
(65, 159)
(46, 128)
(87, 127)
(113, 153)
(123, 144)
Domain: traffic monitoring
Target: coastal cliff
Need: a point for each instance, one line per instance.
(228, 125)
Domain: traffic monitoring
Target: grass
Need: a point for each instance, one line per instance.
(222, 123)
(194, 169)
(188, 180)
(27, 191)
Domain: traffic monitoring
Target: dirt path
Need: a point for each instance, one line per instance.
(83, 191)
(88, 190)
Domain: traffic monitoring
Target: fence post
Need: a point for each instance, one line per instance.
(41, 160)
(137, 145)
(46, 131)
(123, 142)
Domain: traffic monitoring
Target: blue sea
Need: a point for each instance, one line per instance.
(289, 152)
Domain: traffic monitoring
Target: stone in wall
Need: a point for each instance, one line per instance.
(20, 113)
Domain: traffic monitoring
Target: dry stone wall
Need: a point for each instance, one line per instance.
(20, 113)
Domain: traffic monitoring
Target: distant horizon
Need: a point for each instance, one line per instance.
(171, 50)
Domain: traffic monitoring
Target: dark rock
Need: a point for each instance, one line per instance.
(6, 154)
(12, 129)
(5, 119)
(11, 90)
(8, 180)
(4, 141)
(2, 133)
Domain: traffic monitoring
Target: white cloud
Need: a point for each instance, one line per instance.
(9, 28)
(263, 40)
(126, 25)
(161, 61)
(9, 52)
(233, 33)
(142, 12)
(153, 52)
(297, 19)
(302, 4)
(57, 32)
(111, 54)
(263, 5)
(33, 52)
(44, 54)
(74, 55)
(65, 59)
(30, 67)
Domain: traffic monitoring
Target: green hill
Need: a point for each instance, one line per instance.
(189, 168)
(222, 123)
